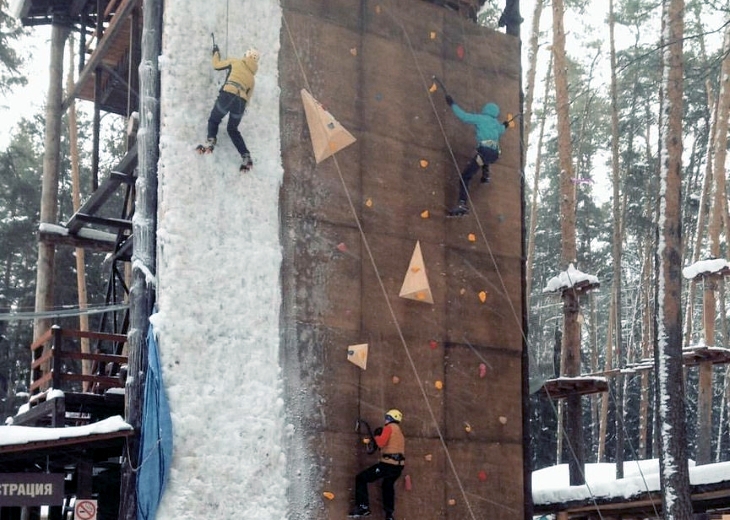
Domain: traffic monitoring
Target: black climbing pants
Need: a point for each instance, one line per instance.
(234, 106)
(389, 473)
(488, 156)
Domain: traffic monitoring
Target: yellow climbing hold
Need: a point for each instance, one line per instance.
(425, 214)
(377, 9)
(472, 237)
(433, 35)
(328, 495)
(439, 385)
(423, 163)
(353, 51)
(467, 427)
(428, 457)
(462, 291)
(369, 203)
(433, 88)
(452, 502)
(482, 296)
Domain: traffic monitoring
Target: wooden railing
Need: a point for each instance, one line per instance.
(48, 354)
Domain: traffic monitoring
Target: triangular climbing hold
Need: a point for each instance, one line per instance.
(358, 355)
(415, 285)
(327, 134)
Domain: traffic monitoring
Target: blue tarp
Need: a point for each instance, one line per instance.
(155, 450)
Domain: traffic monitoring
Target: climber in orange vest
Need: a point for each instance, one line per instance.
(392, 445)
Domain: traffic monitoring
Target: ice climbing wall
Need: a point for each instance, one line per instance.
(349, 226)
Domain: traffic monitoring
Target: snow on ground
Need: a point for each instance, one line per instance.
(218, 270)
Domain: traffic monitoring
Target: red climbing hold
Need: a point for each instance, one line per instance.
(460, 52)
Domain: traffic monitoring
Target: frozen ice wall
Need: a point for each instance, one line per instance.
(218, 267)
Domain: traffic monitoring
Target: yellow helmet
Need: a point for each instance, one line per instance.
(253, 54)
(393, 415)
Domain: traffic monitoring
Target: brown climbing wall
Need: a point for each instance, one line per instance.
(349, 228)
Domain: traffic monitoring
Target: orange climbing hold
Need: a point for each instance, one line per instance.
(423, 163)
(328, 495)
(472, 237)
(425, 214)
(482, 296)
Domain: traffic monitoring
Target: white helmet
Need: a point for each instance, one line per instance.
(253, 54)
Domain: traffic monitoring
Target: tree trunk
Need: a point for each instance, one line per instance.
(571, 305)
(142, 293)
(674, 472)
(617, 248)
(49, 190)
(532, 68)
(76, 200)
(533, 203)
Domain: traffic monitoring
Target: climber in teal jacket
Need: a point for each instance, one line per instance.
(488, 132)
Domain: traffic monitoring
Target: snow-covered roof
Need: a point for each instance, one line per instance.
(712, 266)
(571, 277)
(15, 435)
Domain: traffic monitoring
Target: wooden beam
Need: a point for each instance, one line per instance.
(102, 47)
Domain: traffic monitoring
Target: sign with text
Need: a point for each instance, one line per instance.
(31, 489)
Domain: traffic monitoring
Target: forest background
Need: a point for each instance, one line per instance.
(615, 188)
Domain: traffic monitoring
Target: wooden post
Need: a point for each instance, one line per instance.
(574, 409)
(49, 189)
(704, 394)
(142, 294)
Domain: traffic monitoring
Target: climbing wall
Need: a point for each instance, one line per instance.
(349, 228)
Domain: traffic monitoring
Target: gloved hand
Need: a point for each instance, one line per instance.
(216, 49)
(449, 100)
(378, 431)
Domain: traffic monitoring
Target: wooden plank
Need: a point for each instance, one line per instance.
(35, 385)
(97, 200)
(88, 244)
(110, 8)
(105, 381)
(45, 338)
(105, 358)
(104, 336)
(82, 218)
(38, 362)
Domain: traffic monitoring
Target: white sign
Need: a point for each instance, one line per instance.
(85, 509)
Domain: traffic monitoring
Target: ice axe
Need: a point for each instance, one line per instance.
(369, 442)
(440, 84)
(510, 121)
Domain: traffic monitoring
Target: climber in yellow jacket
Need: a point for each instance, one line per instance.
(232, 99)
